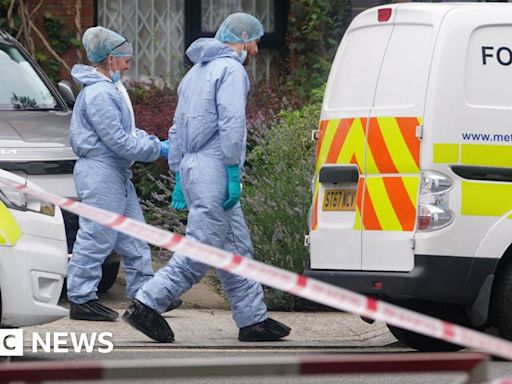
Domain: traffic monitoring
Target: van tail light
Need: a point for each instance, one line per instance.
(433, 211)
(383, 14)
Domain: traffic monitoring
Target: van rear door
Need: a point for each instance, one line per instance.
(392, 152)
(335, 239)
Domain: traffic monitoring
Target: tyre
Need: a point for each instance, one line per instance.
(424, 343)
(108, 278)
(501, 304)
(109, 275)
(421, 342)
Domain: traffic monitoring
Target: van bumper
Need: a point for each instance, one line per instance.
(444, 279)
(31, 277)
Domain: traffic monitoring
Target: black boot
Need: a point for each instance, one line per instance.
(268, 330)
(175, 304)
(92, 310)
(149, 322)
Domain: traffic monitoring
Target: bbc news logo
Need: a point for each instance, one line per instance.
(11, 342)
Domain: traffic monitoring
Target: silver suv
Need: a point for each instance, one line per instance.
(34, 130)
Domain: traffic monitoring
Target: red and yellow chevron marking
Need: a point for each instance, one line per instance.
(387, 203)
(392, 145)
(341, 142)
(383, 202)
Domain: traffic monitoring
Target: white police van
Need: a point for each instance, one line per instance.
(413, 184)
(33, 258)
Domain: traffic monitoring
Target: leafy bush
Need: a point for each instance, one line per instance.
(277, 195)
(264, 103)
(315, 28)
(156, 207)
(154, 104)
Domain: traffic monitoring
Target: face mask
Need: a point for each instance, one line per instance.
(116, 74)
(243, 55)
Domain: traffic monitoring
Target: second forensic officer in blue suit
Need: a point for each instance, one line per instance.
(207, 150)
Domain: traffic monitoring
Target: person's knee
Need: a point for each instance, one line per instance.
(192, 270)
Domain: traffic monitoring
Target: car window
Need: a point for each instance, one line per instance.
(21, 88)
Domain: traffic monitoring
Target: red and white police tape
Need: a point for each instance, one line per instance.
(281, 279)
(474, 364)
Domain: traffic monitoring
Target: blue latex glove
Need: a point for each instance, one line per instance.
(178, 199)
(234, 191)
(164, 149)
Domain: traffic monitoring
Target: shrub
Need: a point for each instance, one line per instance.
(277, 195)
(265, 101)
(156, 206)
(315, 28)
(154, 104)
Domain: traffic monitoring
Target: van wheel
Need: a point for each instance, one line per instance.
(421, 342)
(424, 343)
(108, 278)
(502, 302)
(109, 275)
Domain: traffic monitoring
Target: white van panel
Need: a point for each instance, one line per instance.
(335, 243)
(488, 73)
(404, 74)
(401, 91)
(357, 69)
(464, 113)
(468, 103)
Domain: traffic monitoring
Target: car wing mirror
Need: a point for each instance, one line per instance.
(66, 90)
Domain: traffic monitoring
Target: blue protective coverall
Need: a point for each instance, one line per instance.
(209, 133)
(103, 138)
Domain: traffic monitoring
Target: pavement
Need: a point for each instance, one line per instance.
(214, 328)
(204, 321)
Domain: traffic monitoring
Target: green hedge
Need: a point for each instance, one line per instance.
(277, 195)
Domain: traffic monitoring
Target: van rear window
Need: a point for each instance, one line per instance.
(356, 67)
(404, 74)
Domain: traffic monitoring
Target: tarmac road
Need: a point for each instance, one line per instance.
(210, 333)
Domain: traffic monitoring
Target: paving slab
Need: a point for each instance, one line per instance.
(200, 328)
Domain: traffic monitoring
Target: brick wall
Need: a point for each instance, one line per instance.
(64, 11)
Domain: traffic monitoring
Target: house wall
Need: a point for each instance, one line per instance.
(65, 12)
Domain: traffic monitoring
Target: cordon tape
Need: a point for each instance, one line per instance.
(281, 279)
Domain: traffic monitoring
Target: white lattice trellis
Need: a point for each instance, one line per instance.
(156, 30)
(213, 13)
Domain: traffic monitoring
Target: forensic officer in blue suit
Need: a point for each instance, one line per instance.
(104, 137)
(207, 150)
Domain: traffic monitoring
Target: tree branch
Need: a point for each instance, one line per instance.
(10, 19)
(36, 9)
(78, 26)
(47, 45)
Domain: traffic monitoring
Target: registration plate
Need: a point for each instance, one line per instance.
(339, 200)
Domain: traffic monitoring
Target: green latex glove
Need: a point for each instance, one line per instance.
(234, 191)
(178, 199)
